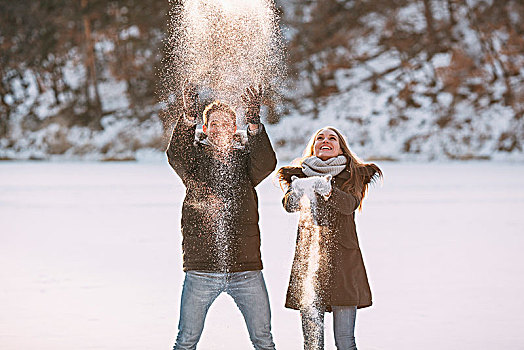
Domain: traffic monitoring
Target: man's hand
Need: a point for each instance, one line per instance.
(190, 101)
(252, 99)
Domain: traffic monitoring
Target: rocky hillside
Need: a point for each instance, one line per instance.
(409, 79)
(403, 79)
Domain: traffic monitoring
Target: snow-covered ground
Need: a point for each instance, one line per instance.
(90, 259)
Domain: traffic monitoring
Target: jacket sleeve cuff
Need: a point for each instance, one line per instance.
(256, 131)
(188, 122)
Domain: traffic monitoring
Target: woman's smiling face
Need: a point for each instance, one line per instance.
(326, 145)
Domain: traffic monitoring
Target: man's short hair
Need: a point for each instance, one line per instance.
(218, 106)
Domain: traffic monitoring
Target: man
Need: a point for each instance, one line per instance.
(221, 237)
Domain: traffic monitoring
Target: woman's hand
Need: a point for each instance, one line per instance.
(298, 190)
(252, 99)
(323, 186)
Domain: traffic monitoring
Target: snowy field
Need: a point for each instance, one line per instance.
(90, 259)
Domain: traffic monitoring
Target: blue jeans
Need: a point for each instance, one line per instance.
(343, 326)
(247, 289)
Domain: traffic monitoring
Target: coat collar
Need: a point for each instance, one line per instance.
(344, 175)
(239, 139)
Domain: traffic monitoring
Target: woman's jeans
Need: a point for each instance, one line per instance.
(247, 289)
(343, 327)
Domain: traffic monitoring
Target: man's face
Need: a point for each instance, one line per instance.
(220, 129)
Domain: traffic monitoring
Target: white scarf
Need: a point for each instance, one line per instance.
(314, 166)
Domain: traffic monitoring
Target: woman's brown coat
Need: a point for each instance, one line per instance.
(342, 276)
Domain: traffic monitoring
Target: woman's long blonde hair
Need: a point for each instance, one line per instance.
(361, 174)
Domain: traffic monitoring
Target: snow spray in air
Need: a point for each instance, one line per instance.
(313, 258)
(222, 47)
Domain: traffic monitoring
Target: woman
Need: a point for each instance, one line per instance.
(328, 272)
